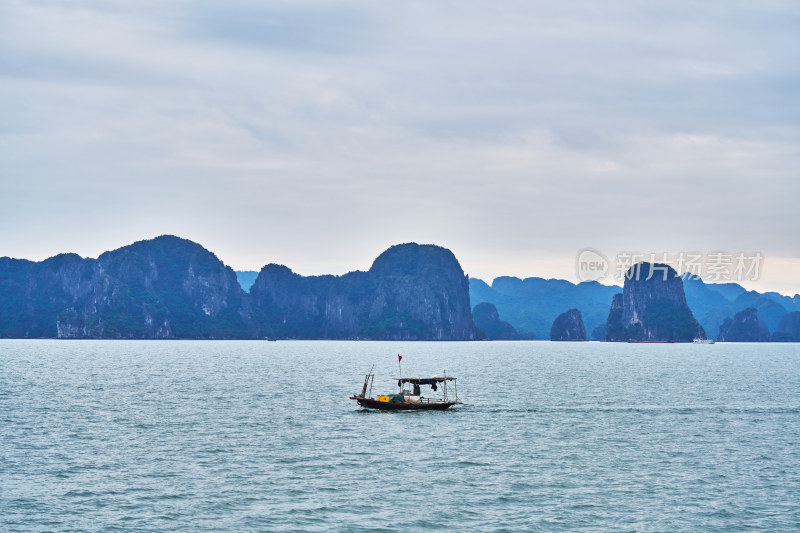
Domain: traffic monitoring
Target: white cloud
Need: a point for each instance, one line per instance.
(314, 133)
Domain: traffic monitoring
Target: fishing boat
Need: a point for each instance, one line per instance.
(410, 397)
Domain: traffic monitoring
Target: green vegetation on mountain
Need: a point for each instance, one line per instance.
(169, 288)
(411, 292)
(161, 288)
(173, 288)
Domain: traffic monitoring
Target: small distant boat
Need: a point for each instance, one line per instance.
(703, 341)
(410, 397)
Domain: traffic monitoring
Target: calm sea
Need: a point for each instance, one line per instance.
(260, 436)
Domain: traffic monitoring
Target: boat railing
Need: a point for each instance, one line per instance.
(435, 400)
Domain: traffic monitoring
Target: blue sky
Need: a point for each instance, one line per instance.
(316, 134)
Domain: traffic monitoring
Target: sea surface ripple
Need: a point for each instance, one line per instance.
(261, 436)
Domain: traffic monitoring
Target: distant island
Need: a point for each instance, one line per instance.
(487, 319)
(532, 305)
(411, 292)
(652, 307)
(568, 326)
(173, 288)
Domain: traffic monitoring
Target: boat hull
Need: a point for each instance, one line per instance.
(386, 406)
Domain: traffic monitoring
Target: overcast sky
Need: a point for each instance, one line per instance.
(317, 134)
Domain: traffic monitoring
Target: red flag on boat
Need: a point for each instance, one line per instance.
(399, 358)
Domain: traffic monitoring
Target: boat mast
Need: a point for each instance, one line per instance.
(367, 380)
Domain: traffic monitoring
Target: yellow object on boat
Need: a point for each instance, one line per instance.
(383, 399)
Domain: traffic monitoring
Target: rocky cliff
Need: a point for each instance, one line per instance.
(33, 295)
(487, 319)
(168, 288)
(745, 326)
(788, 329)
(568, 327)
(411, 292)
(164, 288)
(652, 307)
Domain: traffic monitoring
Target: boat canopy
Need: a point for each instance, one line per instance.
(423, 381)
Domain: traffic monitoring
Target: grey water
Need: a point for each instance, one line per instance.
(261, 436)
